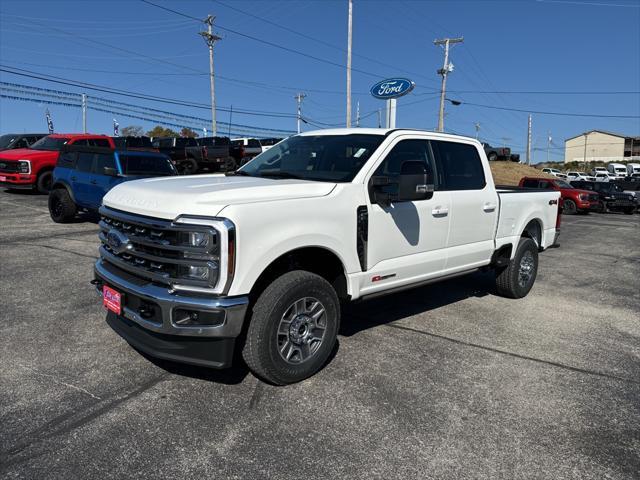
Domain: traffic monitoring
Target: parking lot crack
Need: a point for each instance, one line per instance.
(60, 382)
(516, 355)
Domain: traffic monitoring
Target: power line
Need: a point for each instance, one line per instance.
(564, 114)
(267, 42)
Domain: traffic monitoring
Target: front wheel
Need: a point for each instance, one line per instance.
(569, 207)
(61, 207)
(293, 328)
(43, 184)
(517, 279)
(629, 211)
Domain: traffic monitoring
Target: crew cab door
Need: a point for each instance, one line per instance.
(81, 177)
(406, 239)
(474, 204)
(104, 178)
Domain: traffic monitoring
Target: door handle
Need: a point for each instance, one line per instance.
(489, 207)
(440, 212)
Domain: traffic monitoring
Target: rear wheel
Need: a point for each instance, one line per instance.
(493, 156)
(629, 210)
(293, 328)
(189, 166)
(569, 207)
(61, 207)
(43, 184)
(602, 207)
(517, 279)
(230, 164)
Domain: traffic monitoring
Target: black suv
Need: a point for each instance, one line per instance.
(612, 197)
(11, 141)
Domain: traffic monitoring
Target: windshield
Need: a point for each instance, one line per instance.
(329, 158)
(155, 165)
(562, 184)
(5, 141)
(49, 143)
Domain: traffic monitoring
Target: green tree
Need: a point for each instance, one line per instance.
(187, 132)
(132, 131)
(160, 131)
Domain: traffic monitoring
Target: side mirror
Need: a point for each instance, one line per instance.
(110, 171)
(413, 182)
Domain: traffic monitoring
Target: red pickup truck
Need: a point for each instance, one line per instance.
(31, 168)
(574, 200)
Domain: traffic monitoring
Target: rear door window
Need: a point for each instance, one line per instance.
(459, 166)
(85, 162)
(103, 161)
(67, 159)
(530, 183)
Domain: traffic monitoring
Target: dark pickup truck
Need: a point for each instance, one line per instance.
(219, 154)
(141, 144)
(611, 196)
(500, 153)
(191, 155)
(184, 152)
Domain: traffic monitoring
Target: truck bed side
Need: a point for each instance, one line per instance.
(519, 207)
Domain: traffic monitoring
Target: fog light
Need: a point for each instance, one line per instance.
(185, 318)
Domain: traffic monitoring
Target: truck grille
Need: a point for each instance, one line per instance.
(594, 197)
(160, 251)
(7, 166)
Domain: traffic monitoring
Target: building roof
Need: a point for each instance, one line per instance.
(602, 131)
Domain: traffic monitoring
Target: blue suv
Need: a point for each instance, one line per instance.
(83, 175)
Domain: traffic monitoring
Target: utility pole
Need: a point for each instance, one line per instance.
(84, 113)
(585, 151)
(548, 144)
(358, 114)
(299, 97)
(444, 71)
(349, 41)
(529, 142)
(477, 130)
(210, 39)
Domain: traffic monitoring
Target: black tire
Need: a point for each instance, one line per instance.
(189, 166)
(43, 184)
(516, 280)
(602, 207)
(493, 156)
(629, 210)
(569, 207)
(230, 164)
(269, 338)
(61, 207)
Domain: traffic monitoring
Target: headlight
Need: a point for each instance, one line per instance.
(584, 197)
(24, 166)
(198, 239)
(199, 273)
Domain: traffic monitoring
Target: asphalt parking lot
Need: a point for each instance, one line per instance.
(445, 381)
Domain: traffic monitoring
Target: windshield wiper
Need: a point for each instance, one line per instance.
(239, 173)
(280, 175)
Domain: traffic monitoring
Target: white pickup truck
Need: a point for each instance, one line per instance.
(258, 260)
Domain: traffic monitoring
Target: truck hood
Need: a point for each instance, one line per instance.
(27, 154)
(205, 195)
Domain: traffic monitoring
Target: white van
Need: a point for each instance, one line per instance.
(618, 170)
(633, 168)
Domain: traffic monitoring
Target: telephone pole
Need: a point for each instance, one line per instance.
(299, 97)
(529, 142)
(548, 145)
(444, 71)
(84, 113)
(477, 130)
(210, 39)
(349, 41)
(358, 114)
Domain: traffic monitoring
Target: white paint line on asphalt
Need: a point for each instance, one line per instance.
(60, 382)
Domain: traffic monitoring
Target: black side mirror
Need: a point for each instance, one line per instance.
(110, 171)
(413, 182)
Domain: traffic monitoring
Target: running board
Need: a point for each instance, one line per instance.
(416, 285)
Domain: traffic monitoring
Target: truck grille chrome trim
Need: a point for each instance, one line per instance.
(164, 251)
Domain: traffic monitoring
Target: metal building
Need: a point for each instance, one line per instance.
(601, 146)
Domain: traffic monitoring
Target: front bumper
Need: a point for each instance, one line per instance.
(150, 312)
(17, 180)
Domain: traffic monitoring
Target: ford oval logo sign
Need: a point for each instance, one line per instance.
(392, 88)
(118, 241)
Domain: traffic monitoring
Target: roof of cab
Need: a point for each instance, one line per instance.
(380, 131)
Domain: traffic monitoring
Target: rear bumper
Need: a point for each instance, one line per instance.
(152, 320)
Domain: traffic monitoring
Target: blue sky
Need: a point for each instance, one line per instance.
(509, 46)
